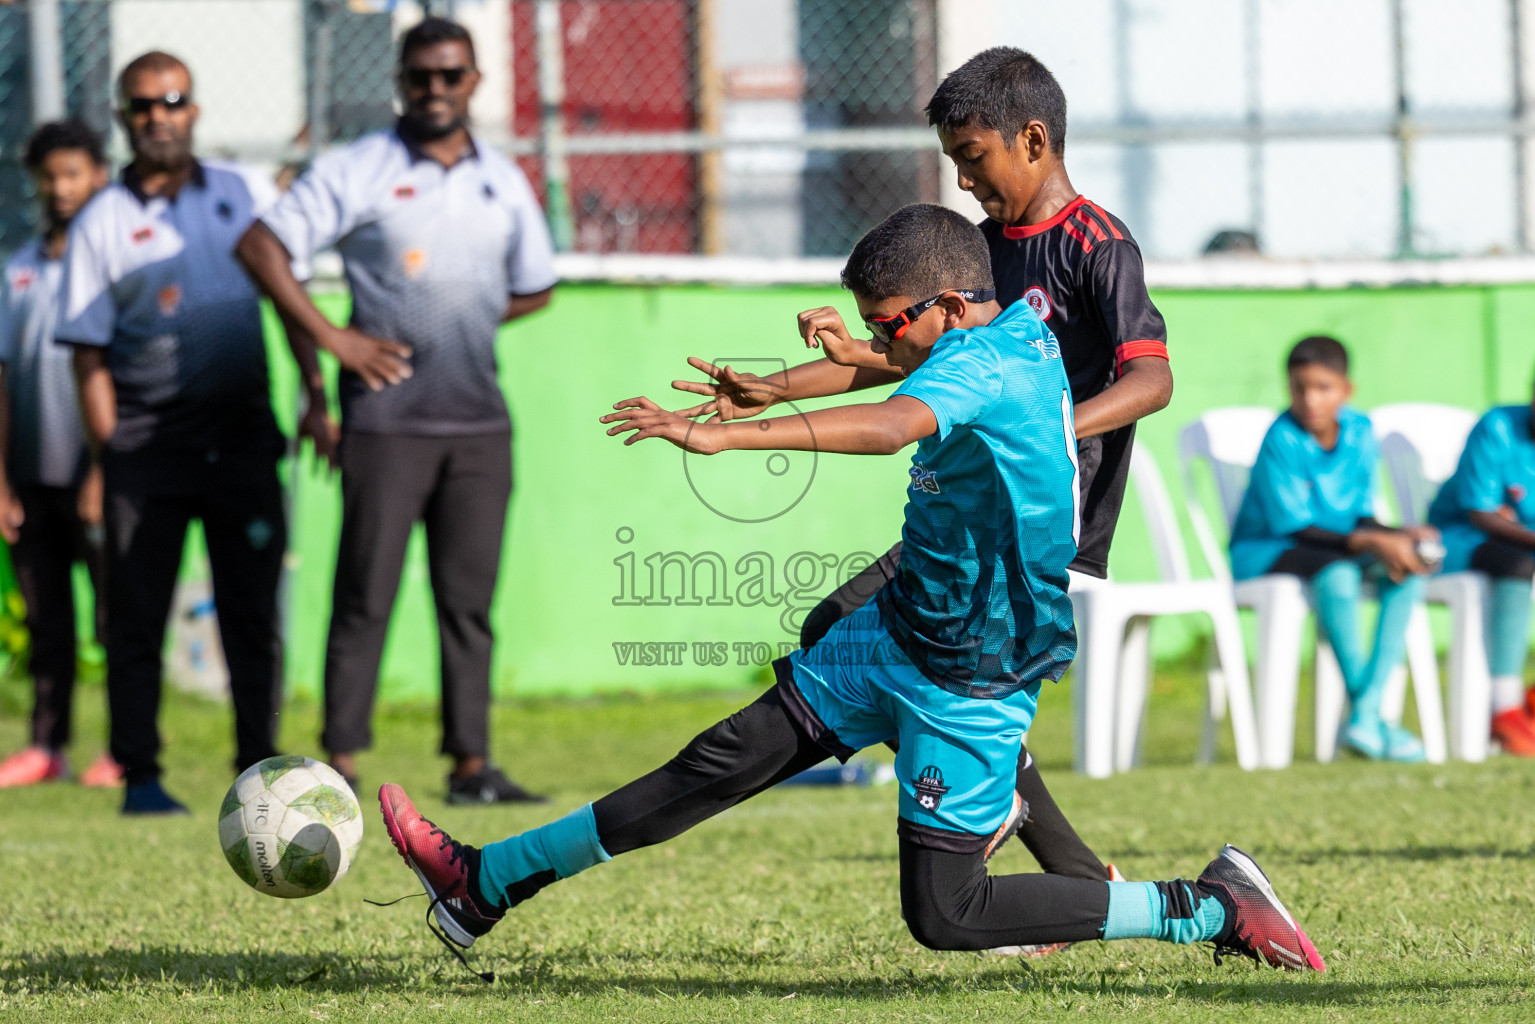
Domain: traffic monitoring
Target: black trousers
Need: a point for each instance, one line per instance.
(458, 488)
(1306, 560)
(1045, 830)
(1504, 561)
(52, 539)
(151, 498)
(948, 899)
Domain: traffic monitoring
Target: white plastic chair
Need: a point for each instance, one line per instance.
(1420, 445)
(1113, 650)
(1227, 440)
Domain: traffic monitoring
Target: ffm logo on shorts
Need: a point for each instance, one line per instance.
(930, 788)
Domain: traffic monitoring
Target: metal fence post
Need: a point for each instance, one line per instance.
(1524, 79)
(47, 48)
(1252, 31)
(319, 87)
(551, 101)
(1403, 130)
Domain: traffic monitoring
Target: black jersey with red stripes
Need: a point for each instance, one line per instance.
(1082, 273)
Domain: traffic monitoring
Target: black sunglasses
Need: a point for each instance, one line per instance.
(421, 78)
(889, 328)
(172, 100)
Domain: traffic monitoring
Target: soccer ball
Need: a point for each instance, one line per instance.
(290, 826)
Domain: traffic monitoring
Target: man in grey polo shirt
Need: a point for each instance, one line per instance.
(442, 241)
(171, 366)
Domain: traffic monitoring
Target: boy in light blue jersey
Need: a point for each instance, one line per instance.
(1485, 512)
(1309, 511)
(948, 657)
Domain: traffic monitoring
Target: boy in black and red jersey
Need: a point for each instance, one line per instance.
(1001, 118)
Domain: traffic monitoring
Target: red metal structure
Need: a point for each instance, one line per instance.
(628, 68)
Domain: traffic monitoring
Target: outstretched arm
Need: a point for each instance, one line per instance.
(732, 396)
(266, 259)
(878, 428)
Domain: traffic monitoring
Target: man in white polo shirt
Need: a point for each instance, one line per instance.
(171, 367)
(442, 242)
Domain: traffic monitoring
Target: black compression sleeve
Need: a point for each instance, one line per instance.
(950, 902)
(757, 747)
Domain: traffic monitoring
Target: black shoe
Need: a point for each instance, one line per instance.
(151, 798)
(490, 786)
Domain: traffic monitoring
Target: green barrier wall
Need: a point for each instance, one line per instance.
(640, 568)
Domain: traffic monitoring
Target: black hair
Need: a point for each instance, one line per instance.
(430, 32)
(1001, 89)
(920, 250)
(154, 60)
(1319, 350)
(57, 135)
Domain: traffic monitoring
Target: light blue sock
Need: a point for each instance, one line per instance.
(566, 847)
(1396, 604)
(1139, 910)
(1335, 596)
(1508, 627)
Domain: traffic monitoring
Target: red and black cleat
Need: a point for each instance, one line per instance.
(1259, 925)
(443, 866)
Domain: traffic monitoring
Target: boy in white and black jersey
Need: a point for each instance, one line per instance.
(50, 489)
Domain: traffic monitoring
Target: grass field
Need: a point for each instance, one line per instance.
(1417, 883)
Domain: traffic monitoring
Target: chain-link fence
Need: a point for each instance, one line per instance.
(785, 128)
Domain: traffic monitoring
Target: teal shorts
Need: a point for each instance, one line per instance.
(958, 761)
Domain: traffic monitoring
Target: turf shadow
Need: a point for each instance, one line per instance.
(581, 973)
(1413, 853)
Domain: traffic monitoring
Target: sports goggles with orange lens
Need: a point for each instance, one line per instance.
(889, 328)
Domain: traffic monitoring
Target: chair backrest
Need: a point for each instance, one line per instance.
(1227, 441)
(1161, 517)
(1420, 444)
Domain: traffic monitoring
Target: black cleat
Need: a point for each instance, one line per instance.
(490, 786)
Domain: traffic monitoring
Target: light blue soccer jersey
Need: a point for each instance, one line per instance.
(1497, 468)
(1297, 483)
(979, 604)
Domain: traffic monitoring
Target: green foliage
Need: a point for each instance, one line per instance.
(1418, 884)
(239, 857)
(327, 804)
(274, 768)
(302, 859)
